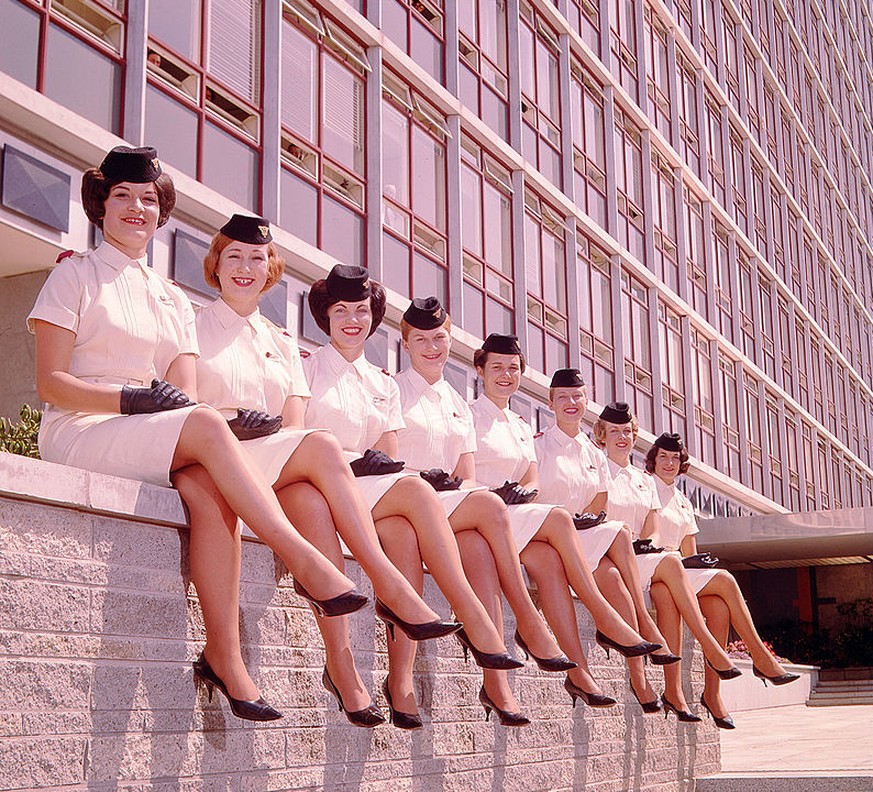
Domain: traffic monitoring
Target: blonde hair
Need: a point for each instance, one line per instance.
(599, 429)
(406, 328)
(275, 263)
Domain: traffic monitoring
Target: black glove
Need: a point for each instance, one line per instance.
(249, 424)
(513, 493)
(700, 561)
(588, 520)
(374, 463)
(440, 480)
(160, 396)
(643, 546)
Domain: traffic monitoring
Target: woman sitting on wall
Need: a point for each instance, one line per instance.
(115, 362)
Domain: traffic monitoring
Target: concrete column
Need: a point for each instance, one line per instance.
(271, 119)
(136, 45)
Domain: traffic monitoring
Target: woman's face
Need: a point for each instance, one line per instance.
(130, 217)
(350, 324)
(667, 464)
(501, 375)
(428, 351)
(569, 404)
(243, 270)
(618, 440)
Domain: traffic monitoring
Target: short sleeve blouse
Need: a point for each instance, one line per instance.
(505, 444)
(571, 469)
(676, 519)
(632, 495)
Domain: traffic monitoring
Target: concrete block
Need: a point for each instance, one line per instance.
(42, 763)
(24, 528)
(27, 604)
(44, 685)
(132, 613)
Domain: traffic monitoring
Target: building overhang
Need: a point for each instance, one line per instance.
(763, 541)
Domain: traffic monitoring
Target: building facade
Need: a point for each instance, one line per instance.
(673, 195)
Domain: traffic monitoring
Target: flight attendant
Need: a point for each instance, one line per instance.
(250, 370)
(115, 364)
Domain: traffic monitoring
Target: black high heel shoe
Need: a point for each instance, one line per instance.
(415, 632)
(648, 707)
(664, 659)
(683, 715)
(366, 718)
(402, 720)
(559, 663)
(779, 679)
(635, 650)
(727, 722)
(729, 673)
(501, 661)
(335, 606)
(257, 710)
(506, 718)
(596, 700)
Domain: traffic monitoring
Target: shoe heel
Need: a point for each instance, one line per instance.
(487, 712)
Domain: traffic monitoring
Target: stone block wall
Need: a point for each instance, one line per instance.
(99, 624)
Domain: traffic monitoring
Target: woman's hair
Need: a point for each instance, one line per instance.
(96, 188)
(275, 263)
(684, 456)
(599, 429)
(320, 299)
(406, 328)
(480, 358)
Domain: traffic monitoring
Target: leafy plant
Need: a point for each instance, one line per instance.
(20, 438)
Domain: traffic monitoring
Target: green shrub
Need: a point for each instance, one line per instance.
(20, 438)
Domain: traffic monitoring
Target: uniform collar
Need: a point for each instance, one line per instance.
(228, 318)
(490, 408)
(616, 470)
(563, 439)
(421, 386)
(118, 260)
(664, 489)
(339, 364)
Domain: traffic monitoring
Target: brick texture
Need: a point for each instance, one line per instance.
(99, 625)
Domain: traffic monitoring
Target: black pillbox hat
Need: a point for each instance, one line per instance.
(425, 313)
(567, 378)
(251, 230)
(135, 165)
(617, 413)
(501, 344)
(670, 442)
(348, 282)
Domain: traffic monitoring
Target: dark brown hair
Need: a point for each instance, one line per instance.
(275, 263)
(480, 358)
(96, 188)
(320, 299)
(684, 456)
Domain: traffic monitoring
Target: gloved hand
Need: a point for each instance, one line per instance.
(440, 480)
(643, 546)
(700, 561)
(375, 463)
(513, 493)
(588, 520)
(160, 396)
(249, 424)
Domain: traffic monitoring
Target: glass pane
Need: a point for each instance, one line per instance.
(342, 233)
(176, 23)
(298, 208)
(394, 21)
(427, 50)
(498, 231)
(172, 129)
(473, 318)
(230, 166)
(498, 318)
(343, 116)
(429, 279)
(395, 154)
(80, 78)
(535, 348)
(235, 45)
(19, 42)
(471, 211)
(299, 83)
(495, 113)
(428, 179)
(556, 354)
(493, 31)
(395, 264)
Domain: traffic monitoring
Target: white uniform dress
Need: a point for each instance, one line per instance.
(248, 362)
(632, 495)
(130, 325)
(439, 428)
(675, 522)
(504, 452)
(358, 403)
(572, 471)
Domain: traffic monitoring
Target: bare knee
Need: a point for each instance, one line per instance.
(414, 491)
(661, 598)
(608, 578)
(559, 520)
(491, 506)
(325, 445)
(542, 562)
(397, 532)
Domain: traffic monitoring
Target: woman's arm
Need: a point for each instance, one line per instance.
(388, 444)
(531, 479)
(183, 374)
(293, 412)
(55, 384)
(688, 546)
(598, 503)
(650, 525)
(466, 468)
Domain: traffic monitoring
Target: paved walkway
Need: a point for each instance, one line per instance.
(800, 740)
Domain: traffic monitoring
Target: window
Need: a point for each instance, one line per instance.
(759, 209)
(672, 369)
(774, 447)
(701, 383)
(486, 230)
(748, 295)
(786, 342)
(322, 181)
(594, 283)
(584, 18)
(709, 27)
(810, 468)
(739, 189)
(754, 445)
(629, 181)
(71, 51)
(657, 72)
(724, 280)
(715, 148)
(638, 347)
(752, 107)
(689, 130)
(730, 463)
(777, 229)
(417, 27)
(765, 320)
(203, 93)
(414, 193)
(546, 278)
(792, 462)
(483, 74)
(666, 251)
(695, 261)
(623, 44)
(731, 33)
(589, 149)
(540, 94)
